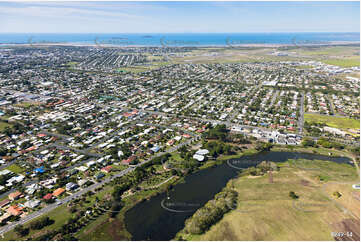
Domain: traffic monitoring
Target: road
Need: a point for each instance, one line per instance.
(301, 115)
(60, 136)
(50, 207)
(274, 98)
(331, 103)
(84, 152)
(208, 120)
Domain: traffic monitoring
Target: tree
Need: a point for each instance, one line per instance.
(293, 195)
(264, 146)
(324, 143)
(306, 142)
(337, 194)
(41, 223)
(21, 231)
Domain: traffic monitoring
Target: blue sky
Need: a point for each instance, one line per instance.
(178, 17)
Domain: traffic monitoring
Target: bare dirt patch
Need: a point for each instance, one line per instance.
(356, 195)
(349, 230)
(305, 183)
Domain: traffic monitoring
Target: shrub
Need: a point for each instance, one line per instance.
(21, 231)
(41, 223)
(212, 212)
(293, 195)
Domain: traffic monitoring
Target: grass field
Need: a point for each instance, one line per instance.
(138, 69)
(3, 125)
(344, 62)
(266, 212)
(16, 169)
(27, 104)
(329, 51)
(60, 215)
(336, 122)
(72, 63)
(313, 150)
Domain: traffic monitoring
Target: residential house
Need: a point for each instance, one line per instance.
(14, 195)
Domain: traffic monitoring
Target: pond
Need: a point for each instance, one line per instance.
(162, 216)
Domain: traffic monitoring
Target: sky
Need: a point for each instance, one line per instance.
(178, 17)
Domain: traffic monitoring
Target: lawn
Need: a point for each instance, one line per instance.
(16, 169)
(3, 125)
(266, 212)
(336, 122)
(26, 104)
(133, 69)
(313, 150)
(72, 63)
(60, 215)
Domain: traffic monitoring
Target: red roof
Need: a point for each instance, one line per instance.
(130, 159)
(14, 195)
(58, 192)
(4, 203)
(15, 210)
(48, 196)
(31, 148)
(107, 168)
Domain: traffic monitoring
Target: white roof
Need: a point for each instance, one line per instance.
(82, 168)
(202, 152)
(90, 163)
(4, 172)
(198, 157)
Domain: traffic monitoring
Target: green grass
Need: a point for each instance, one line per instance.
(336, 122)
(208, 164)
(72, 63)
(329, 51)
(176, 157)
(133, 69)
(345, 62)
(60, 215)
(304, 67)
(3, 125)
(16, 169)
(104, 228)
(26, 104)
(312, 150)
(271, 212)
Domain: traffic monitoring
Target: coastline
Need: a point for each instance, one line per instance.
(264, 45)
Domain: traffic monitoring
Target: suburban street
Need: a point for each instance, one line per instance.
(51, 207)
(301, 117)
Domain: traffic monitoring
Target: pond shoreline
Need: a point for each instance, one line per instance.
(221, 176)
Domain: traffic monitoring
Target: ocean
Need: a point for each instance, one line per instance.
(181, 39)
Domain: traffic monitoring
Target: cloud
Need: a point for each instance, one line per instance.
(62, 11)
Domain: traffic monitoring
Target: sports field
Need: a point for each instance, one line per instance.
(333, 121)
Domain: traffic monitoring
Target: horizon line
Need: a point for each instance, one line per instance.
(276, 32)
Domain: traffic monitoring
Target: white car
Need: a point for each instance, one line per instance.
(356, 186)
